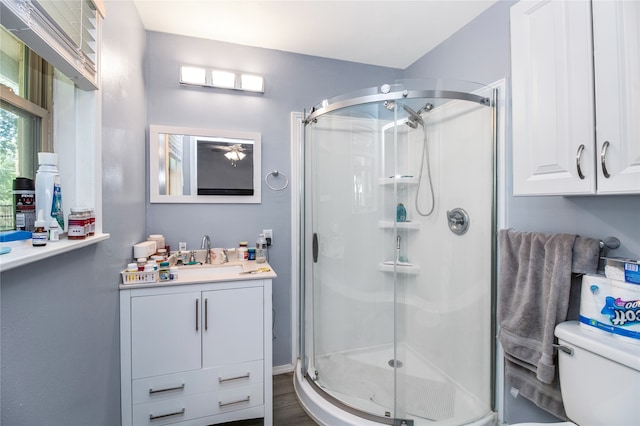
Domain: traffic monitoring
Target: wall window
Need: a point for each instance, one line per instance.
(25, 103)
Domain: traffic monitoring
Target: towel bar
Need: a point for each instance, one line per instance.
(610, 242)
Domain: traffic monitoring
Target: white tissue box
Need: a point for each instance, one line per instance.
(611, 305)
(621, 269)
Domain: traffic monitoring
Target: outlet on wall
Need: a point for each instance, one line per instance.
(268, 235)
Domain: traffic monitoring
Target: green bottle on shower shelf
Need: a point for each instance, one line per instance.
(401, 213)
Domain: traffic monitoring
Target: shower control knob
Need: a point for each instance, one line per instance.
(458, 220)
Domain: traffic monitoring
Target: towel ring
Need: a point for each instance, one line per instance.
(276, 173)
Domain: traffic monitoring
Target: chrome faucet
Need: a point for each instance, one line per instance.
(206, 243)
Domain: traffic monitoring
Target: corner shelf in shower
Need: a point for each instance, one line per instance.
(388, 224)
(399, 180)
(400, 268)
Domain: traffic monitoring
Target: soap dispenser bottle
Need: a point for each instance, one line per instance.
(261, 249)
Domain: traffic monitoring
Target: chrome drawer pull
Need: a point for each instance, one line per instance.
(603, 159)
(224, 404)
(246, 376)
(162, 416)
(152, 391)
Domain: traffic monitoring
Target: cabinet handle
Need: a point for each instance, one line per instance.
(162, 416)
(314, 247)
(578, 157)
(603, 158)
(152, 391)
(246, 376)
(206, 314)
(197, 314)
(224, 404)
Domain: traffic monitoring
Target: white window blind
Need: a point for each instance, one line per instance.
(64, 32)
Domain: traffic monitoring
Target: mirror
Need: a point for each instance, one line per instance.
(188, 165)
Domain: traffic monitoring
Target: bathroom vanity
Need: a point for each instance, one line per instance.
(197, 350)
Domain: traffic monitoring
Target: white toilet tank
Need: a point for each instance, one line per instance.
(600, 382)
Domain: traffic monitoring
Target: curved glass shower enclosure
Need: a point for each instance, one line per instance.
(397, 277)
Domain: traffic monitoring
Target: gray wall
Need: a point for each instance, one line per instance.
(60, 324)
(481, 52)
(293, 82)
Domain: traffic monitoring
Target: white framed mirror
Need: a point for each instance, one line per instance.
(190, 165)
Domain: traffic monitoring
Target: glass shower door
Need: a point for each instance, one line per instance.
(352, 203)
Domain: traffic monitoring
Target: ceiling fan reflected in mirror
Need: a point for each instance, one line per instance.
(233, 152)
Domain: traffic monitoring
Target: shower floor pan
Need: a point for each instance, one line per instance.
(364, 379)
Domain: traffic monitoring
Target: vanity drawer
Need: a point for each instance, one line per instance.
(192, 407)
(195, 382)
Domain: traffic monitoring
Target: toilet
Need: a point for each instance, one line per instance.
(599, 377)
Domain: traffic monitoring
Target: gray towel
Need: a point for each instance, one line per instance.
(534, 288)
(534, 284)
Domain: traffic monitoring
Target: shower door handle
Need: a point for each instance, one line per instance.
(314, 247)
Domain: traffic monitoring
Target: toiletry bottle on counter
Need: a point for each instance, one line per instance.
(164, 271)
(39, 234)
(243, 252)
(24, 201)
(48, 192)
(54, 230)
(261, 249)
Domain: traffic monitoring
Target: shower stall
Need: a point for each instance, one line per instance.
(397, 272)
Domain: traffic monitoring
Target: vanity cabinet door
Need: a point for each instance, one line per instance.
(165, 334)
(616, 35)
(233, 326)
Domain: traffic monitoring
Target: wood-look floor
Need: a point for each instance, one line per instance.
(286, 409)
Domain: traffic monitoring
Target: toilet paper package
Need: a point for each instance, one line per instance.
(622, 269)
(611, 305)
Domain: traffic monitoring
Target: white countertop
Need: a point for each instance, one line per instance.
(193, 274)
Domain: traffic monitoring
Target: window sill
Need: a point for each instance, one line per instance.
(23, 253)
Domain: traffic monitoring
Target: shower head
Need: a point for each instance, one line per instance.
(414, 118)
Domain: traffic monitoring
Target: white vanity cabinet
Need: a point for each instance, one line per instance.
(196, 354)
(566, 140)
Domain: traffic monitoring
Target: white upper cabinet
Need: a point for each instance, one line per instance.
(556, 148)
(616, 39)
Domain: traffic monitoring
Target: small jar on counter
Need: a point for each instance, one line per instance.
(141, 261)
(251, 254)
(78, 221)
(91, 219)
(173, 273)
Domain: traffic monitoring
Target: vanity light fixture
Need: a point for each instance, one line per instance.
(193, 75)
(252, 83)
(206, 77)
(223, 79)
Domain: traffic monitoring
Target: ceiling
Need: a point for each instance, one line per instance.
(390, 33)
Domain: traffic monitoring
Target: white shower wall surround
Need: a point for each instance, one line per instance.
(436, 318)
